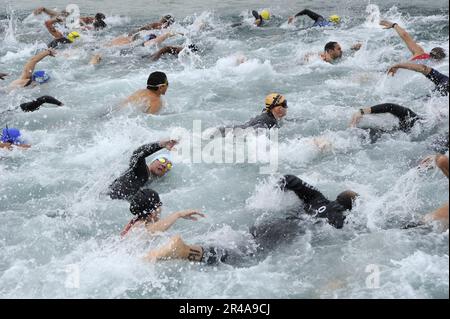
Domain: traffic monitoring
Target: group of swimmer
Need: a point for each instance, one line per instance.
(153, 161)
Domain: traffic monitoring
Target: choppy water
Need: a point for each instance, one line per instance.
(55, 222)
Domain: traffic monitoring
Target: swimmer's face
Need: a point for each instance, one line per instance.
(159, 169)
(279, 112)
(163, 88)
(154, 217)
(336, 53)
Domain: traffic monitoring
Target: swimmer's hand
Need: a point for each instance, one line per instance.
(38, 10)
(393, 69)
(51, 52)
(2, 76)
(168, 144)
(386, 24)
(356, 118)
(190, 214)
(290, 20)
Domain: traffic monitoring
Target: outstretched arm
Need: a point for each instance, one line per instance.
(166, 223)
(28, 69)
(51, 13)
(50, 25)
(403, 114)
(303, 190)
(166, 50)
(409, 41)
(425, 70)
(160, 39)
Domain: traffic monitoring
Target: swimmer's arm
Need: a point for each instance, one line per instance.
(410, 43)
(6, 145)
(143, 152)
(425, 70)
(166, 223)
(49, 24)
(28, 69)
(3, 75)
(442, 163)
(51, 13)
(161, 38)
(303, 190)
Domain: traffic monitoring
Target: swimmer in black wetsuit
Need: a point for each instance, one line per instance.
(440, 80)
(139, 173)
(267, 236)
(275, 109)
(319, 21)
(170, 50)
(36, 104)
(407, 118)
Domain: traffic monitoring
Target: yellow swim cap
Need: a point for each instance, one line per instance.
(275, 99)
(265, 14)
(73, 35)
(335, 18)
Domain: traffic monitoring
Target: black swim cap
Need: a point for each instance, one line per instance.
(193, 47)
(144, 203)
(100, 16)
(156, 79)
(438, 53)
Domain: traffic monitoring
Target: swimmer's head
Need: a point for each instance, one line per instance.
(167, 20)
(72, 36)
(100, 16)
(333, 49)
(99, 23)
(160, 164)
(40, 77)
(334, 18)
(157, 82)
(346, 199)
(11, 135)
(265, 14)
(437, 53)
(146, 204)
(276, 104)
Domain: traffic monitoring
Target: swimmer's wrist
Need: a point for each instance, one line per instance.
(361, 111)
(393, 25)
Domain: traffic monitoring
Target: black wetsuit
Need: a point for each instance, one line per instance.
(264, 120)
(36, 104)
(407, 119)
(136, 176)
(271, 234)
(440, 80)
(318, 19)
(55, 43)
(99, 24)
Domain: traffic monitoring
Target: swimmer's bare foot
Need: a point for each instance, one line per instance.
(96, 59)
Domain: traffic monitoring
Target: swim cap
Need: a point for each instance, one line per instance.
(346, 199)
(164, 153)
(275, 99)
(100, 16)
(144, 203)
(168, 19)
(265, 14)
(40, 77)
(11, 135)
(149, 37)
(156, 79)
(72, 36)
(334, 18)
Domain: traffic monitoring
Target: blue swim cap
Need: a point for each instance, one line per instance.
(40, 77)
(149, 37)
(11, 135)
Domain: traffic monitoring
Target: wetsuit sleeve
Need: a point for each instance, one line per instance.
(34, 105)
(406, 117)
(139, 155)
(311, 14)
(304, 191)
(440, 80)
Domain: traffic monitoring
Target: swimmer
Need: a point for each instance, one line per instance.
(150, 98)
(139, 173)
(97, 22)
(333, 51)
(147, 40)
(12, 137)
(164, 23)
(319, 21)
(275, 110)
(59, 37)
(147, 207)
(29, 76)
(440, 80)
(171, 50)
(261, 17)
(267, 236)
(51, 13)
(418, 53)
